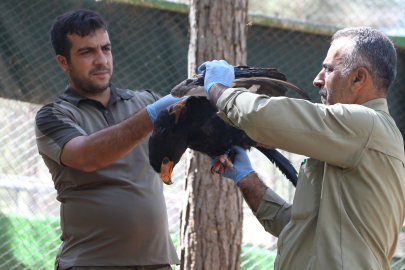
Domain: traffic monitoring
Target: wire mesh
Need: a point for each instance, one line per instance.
(381, 14)
(150, 51)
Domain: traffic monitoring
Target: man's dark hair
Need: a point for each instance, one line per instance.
(372, 50)
(81, 22)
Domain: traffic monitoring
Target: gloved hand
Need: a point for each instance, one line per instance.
(155, 108)
(241, 163)
(217, 72)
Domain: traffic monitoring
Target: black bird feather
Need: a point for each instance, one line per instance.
(193, 123)
(267, 81)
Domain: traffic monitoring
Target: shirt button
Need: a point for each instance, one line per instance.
(106, 111)
(118, 97)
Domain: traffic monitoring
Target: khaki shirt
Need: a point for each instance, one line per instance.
(115, 216)
(348, 208)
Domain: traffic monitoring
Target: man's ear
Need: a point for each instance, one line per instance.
(359, 78)
(62, 61)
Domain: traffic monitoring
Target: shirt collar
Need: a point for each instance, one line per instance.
(74, 97)
(119, 93)
(378, 104)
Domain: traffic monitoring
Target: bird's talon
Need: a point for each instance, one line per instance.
(212, 170)
(223, 163)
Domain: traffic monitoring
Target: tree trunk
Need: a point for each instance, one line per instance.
(211, 217)
(218, 30)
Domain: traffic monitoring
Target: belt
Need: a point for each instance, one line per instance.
(142, 267)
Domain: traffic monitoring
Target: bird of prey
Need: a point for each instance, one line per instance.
(267, 81)
(193, 123)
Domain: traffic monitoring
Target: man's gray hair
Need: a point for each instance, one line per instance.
(372, 50)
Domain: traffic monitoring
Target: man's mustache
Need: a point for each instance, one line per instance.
(99, 69)
(322, 90)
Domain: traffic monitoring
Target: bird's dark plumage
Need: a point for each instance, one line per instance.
(193, 123)
(267, 81)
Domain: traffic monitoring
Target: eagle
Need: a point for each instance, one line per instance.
(193, 123)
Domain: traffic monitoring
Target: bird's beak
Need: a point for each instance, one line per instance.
(166, 171)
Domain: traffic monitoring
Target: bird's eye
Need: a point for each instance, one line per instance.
(165, 160)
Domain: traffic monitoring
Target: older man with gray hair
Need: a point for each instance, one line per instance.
(348, 208)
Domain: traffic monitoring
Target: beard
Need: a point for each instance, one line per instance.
(86, 84)
(323, 93)
(337, 92)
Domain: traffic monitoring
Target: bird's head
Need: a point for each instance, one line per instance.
(168, 140)
(166, 169)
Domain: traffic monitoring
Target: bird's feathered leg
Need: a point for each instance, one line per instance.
(282, 163)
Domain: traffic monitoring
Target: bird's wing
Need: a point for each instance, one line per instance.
(267, 81)
(268, 86)
(193, 86)
(246, 72)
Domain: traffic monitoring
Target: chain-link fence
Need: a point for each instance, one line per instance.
(150, 51)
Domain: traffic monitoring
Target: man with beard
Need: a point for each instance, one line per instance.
(348, 208)
(93, 139)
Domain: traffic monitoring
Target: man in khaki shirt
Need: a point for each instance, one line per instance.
(349, 203)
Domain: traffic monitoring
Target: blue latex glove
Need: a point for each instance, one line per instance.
(155, 108)
(217, 72)
(241, 163)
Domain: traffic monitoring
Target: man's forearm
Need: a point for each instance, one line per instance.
(215, 92)
(89, 153)
(253, 190)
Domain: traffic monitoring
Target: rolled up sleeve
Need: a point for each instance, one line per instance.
(335, 134)
(273, 212)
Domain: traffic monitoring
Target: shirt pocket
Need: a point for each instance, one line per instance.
(307, 195)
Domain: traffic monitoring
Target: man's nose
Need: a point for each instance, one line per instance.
(319, 79)
(100, 59)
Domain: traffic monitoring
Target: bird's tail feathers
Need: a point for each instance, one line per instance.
(282, 163)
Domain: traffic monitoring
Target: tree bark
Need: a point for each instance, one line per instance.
(218, 30)
(211, 217)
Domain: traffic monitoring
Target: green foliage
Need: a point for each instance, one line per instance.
(28, 243)
(7, 258)
(257, 258)
(175, 239)
(397, 263)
